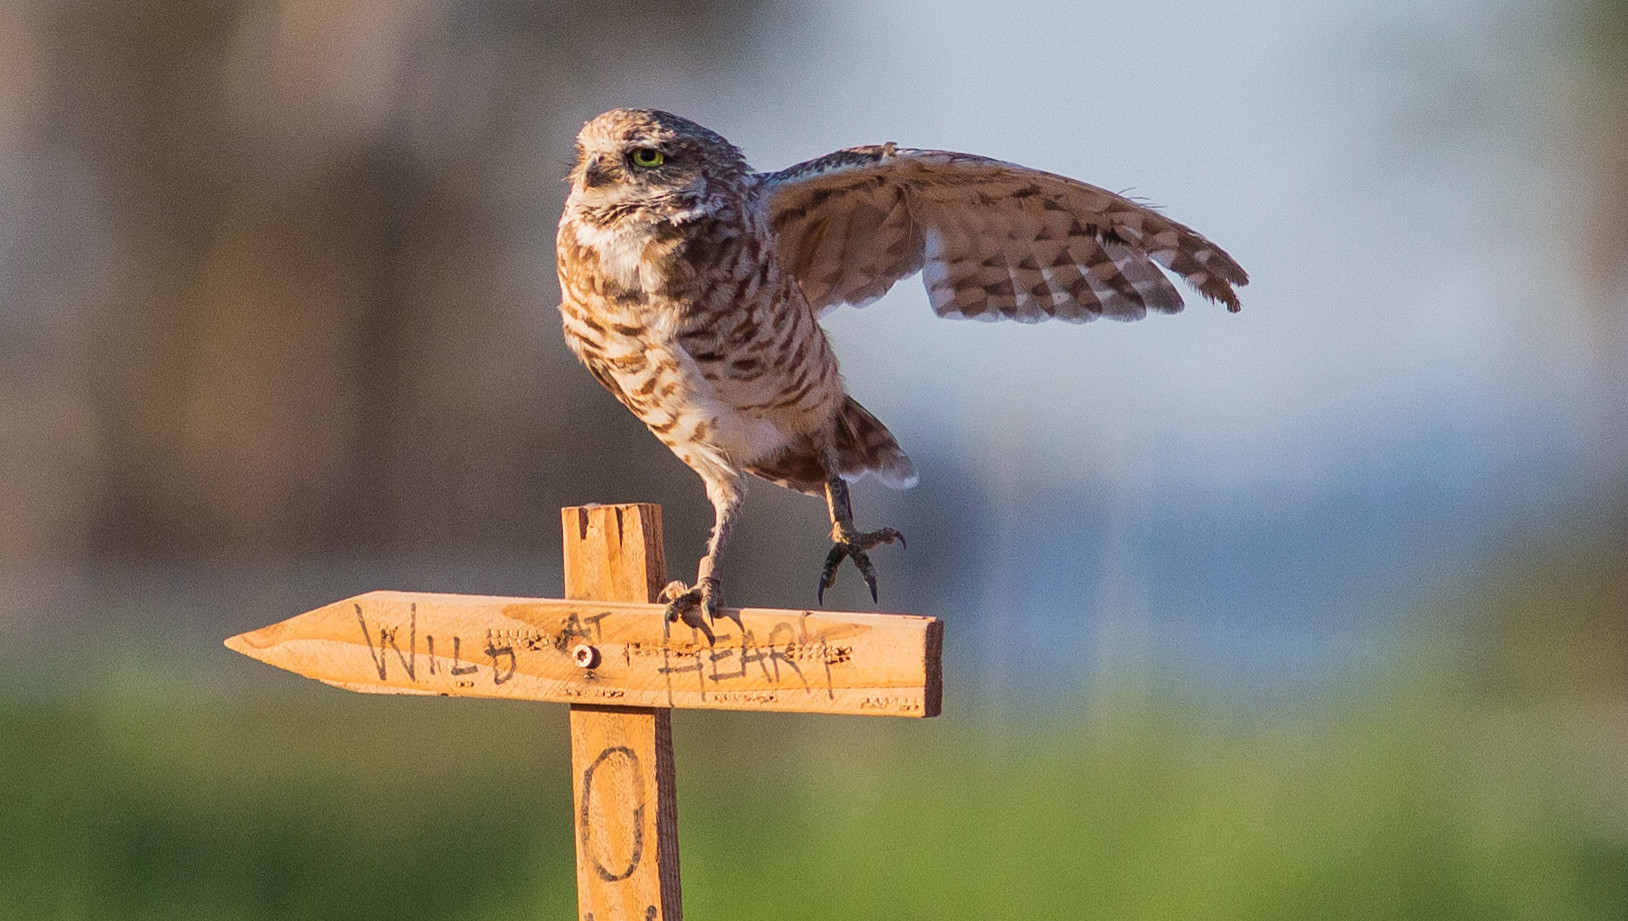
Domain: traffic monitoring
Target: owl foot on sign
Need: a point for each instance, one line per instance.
(685, 602)
(847, 542)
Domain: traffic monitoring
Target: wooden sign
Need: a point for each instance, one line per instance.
(612, 655)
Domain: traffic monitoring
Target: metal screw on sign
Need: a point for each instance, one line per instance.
(585, 656)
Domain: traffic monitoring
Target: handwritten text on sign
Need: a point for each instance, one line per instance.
(402, 642)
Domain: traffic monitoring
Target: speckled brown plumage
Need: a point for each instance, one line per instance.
(691, 288)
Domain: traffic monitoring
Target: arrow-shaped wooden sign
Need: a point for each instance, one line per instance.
(611, 653)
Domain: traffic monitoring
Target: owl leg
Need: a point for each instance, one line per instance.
(848, 541)
(706, 596)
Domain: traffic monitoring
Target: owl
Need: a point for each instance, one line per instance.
(692, 287)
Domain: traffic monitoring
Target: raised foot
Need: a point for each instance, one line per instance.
(852, 544)
(686, 603)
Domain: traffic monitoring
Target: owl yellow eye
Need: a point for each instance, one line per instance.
(648, 157)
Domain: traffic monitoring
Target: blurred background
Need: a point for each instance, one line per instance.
(1320, 610)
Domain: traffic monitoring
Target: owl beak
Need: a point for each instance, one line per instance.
(593, 172)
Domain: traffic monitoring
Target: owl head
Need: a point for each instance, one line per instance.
(648, 160)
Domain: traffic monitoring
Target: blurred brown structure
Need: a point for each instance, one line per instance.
(276, 276)
(1601, 130)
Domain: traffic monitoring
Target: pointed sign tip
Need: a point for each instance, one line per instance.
(253, 643)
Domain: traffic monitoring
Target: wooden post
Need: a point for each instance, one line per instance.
(623, 783)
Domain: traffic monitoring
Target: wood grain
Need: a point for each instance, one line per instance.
(613, 552)
(624, 785)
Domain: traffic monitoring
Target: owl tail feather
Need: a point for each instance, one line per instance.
(864, 445)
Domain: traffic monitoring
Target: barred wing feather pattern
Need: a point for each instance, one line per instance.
(992, 239)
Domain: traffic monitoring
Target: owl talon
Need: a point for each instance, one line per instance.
(853, 544)
(705, 598)
(867, 570)
(674, 591)
(828, 573)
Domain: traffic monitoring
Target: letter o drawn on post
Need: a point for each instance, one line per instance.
(618, 767)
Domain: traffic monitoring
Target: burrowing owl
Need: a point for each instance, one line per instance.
(692, 286)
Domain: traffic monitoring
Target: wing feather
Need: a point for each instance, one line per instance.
(993, 240)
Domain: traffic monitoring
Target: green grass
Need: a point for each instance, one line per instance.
(1400, 803)
(311, 808)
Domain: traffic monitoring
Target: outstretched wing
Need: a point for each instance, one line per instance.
(994, 240)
